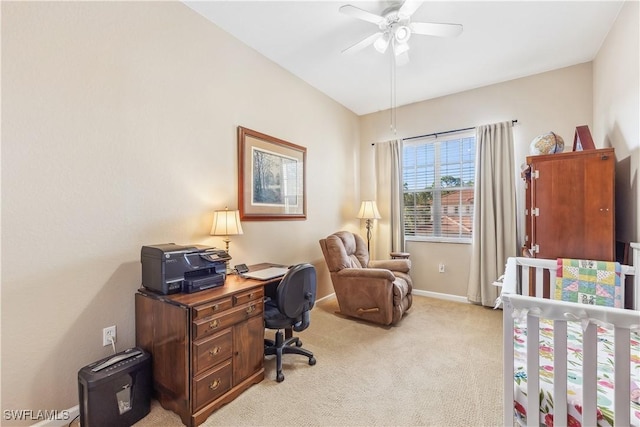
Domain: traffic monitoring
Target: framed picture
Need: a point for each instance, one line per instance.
(271, 178)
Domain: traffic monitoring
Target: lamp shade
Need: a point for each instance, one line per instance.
(369, 210)
(226, 223)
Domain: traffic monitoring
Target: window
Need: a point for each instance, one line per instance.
(438, 178)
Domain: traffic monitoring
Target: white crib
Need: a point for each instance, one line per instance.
(623, 322)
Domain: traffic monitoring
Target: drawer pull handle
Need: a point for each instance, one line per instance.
(214, 384)
(215, 351)
(251, 309)
(214, 324)
(215, 307)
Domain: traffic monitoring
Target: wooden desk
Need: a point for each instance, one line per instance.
(207, 347)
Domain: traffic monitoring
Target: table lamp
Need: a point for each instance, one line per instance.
(226, 223)
(369, 211)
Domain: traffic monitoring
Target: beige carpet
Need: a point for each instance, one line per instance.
(440, 366)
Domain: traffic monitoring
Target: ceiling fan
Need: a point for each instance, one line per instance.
(395, 28)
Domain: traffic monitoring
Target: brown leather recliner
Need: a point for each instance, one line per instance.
(377, 291)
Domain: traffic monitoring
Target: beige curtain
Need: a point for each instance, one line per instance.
(388, 168)
(494, 223)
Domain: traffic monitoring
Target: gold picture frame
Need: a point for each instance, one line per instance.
(271, 178)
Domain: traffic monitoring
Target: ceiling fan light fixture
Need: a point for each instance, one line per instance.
(402, 34)
(400, 48)
(382, 43)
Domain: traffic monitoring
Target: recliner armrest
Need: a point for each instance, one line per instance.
(402, 265)
(371, 273)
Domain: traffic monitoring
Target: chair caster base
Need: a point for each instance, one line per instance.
(312, 361)
(280, 377)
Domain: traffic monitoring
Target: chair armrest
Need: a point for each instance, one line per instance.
(368, 273)
(399, 255)
(402, 265)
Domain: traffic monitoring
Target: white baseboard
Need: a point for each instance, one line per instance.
(326, 297)
(448, 297)
(64, 418)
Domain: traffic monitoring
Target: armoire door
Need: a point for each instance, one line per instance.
(572, 205)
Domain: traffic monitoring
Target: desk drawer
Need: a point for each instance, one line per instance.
(211, 351)
(209, 309)
(210, 325)
(251, 295)
(212, 384)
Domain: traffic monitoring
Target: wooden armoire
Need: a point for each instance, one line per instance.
(570, 205)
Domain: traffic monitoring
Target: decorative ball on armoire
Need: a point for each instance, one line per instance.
(547, 143)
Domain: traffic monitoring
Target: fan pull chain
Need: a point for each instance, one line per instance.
(392, 125)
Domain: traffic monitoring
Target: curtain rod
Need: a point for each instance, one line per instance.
(513, 122)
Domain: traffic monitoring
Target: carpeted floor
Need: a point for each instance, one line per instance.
(440, 366)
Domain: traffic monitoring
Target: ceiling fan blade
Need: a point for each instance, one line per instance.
(362, 14)
(408, 8)
(435, 29)
(362, 43)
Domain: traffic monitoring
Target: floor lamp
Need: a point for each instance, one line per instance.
(369, 211)
(226, 223)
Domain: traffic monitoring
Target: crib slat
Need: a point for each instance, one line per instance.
(524, 280)
(589, 373)
(636, 287)
(552, 283)
(622, 376)
(533, 375)
(539, 282)
(508, 360)
(560, 372)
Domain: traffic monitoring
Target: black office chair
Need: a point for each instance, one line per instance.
(289, 308)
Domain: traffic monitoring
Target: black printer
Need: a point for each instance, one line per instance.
(169, 268)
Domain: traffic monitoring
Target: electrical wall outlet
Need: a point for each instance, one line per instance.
(441, 267)
(107, 334)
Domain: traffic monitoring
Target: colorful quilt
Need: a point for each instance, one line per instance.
(589, 282)
(574, 381)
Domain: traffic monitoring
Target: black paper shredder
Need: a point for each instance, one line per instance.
(116, 390)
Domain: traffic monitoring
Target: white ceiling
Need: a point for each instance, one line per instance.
(502, 40)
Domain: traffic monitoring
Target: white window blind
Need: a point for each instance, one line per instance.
(438, 178)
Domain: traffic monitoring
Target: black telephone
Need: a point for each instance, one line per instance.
(241, 268)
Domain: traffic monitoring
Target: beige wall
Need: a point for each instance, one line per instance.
(616, 113)
(119, 130)
(555, 101)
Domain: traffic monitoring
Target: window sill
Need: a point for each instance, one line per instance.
(437, 240)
